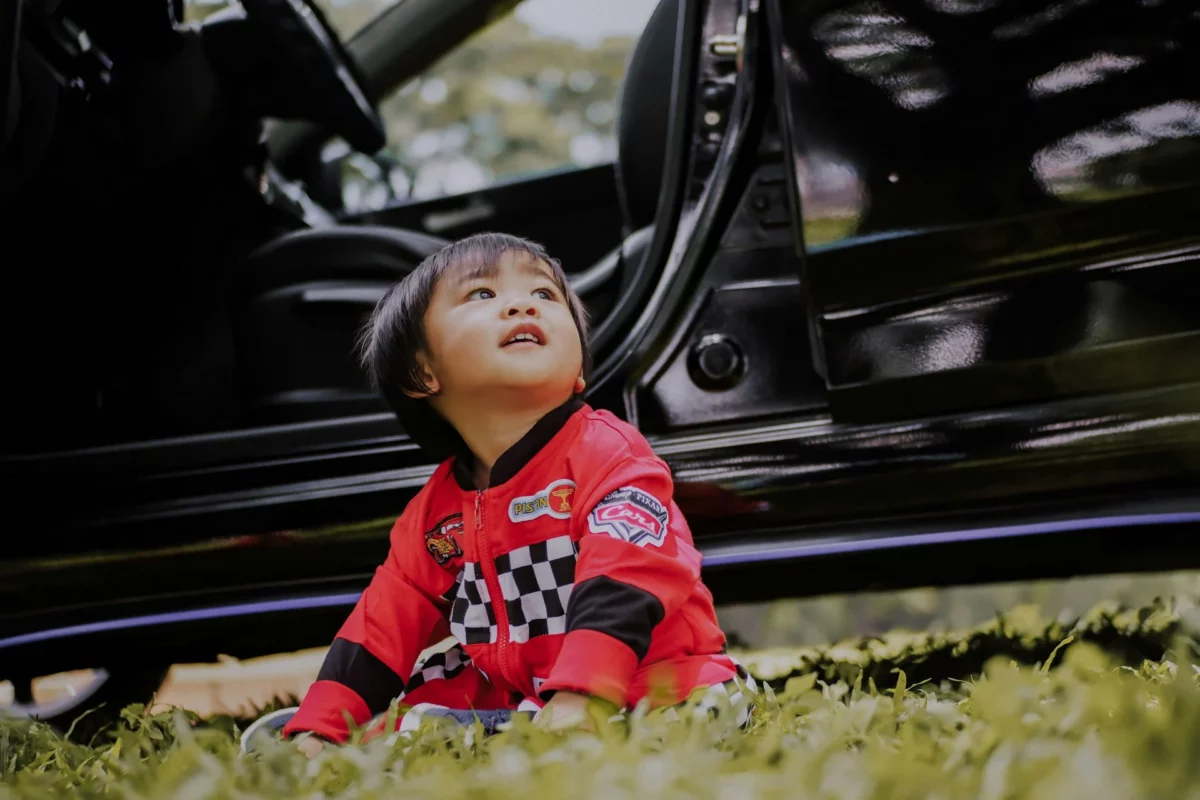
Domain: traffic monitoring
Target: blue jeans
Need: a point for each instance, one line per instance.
(492, 719)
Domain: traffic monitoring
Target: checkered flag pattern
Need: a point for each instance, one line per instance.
(438, 666)
(536, 582)
(472, 619)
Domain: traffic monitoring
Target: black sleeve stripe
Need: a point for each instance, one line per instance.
(624, 612)
(357, 668)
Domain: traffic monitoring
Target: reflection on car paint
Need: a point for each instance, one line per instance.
(954, 226)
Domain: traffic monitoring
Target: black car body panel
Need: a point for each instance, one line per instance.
(998, 206)
(876, 347)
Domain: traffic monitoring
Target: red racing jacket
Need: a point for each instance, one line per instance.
(574, 570)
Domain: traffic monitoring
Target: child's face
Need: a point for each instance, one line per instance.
(471, 323)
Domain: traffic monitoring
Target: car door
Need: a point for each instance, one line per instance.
(998, 202)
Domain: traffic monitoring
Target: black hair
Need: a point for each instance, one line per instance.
(395, 332)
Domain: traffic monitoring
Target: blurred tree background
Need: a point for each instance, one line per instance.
(533, 92)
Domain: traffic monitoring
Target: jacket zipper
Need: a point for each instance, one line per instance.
(493, 583)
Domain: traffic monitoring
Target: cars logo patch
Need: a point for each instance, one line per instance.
(441, 541)
(553, 501)
(630, 514)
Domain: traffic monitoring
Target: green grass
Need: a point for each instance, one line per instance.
(1021, 707)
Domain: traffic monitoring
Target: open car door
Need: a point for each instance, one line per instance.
(998, 202)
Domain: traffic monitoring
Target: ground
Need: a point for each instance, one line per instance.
(1021, 706)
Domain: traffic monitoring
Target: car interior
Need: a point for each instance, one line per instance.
(182, 282)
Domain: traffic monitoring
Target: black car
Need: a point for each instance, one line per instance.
(904, 292)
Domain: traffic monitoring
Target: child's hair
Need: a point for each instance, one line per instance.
(395, 333)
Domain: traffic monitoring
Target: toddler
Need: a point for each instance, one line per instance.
(547, 542)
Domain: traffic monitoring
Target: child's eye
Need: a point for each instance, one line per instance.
(481, 294)
(544, 294)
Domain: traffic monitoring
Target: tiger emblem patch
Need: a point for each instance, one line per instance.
(442, 540)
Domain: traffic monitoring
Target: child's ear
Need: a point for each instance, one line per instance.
(427, 377)
(580, 385)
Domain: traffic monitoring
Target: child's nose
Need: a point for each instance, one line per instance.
(516, 308)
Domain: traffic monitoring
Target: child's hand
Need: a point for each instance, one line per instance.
(564, 710)
(311, 745)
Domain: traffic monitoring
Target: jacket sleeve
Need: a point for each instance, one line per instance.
(636, 566)
(375, 650)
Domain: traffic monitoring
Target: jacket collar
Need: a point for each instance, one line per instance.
(521, 453)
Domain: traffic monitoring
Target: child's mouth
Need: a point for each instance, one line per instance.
(526, 335)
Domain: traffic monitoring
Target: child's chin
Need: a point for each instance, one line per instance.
(533, 383)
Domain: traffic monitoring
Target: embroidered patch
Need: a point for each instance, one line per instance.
(441, 542)
(554, 501)
(632, 515)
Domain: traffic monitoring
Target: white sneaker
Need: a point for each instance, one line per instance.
(272, 722)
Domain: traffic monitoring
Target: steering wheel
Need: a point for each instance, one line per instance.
(311, 49)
